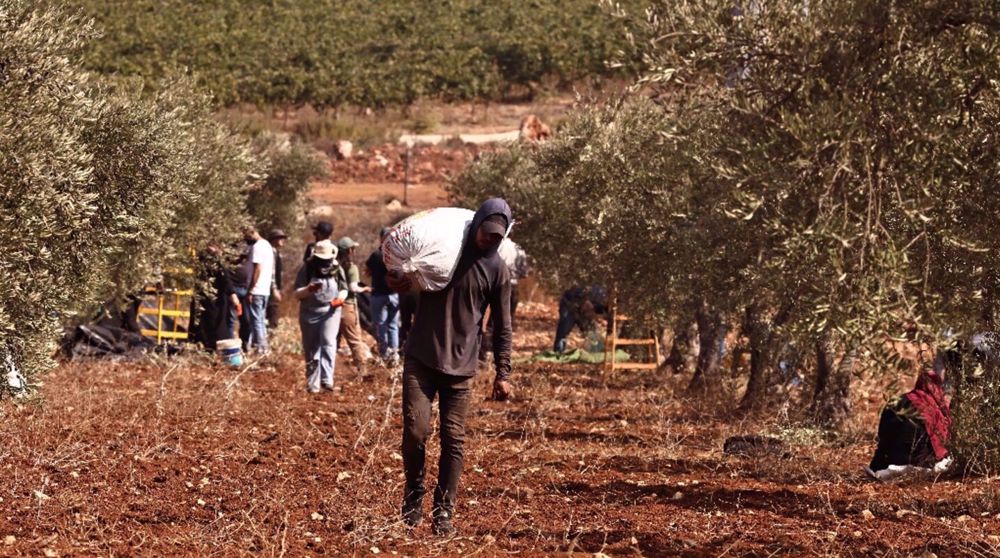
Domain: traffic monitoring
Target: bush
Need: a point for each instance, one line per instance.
(277, 201)
(98, 184)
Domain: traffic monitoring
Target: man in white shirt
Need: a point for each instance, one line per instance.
(262, 259)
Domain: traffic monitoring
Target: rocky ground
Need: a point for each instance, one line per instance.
(183, 456)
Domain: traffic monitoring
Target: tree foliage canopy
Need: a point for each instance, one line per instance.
(100, 186)
(831, 163)
(329, 53)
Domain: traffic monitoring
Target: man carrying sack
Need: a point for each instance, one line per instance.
(440, 360)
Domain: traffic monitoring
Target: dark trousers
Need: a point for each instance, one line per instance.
(567, 320)
(901, 441)
(420, 385)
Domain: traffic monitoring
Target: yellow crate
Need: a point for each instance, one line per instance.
(171, 302)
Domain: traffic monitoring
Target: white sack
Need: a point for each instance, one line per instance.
(426, 246)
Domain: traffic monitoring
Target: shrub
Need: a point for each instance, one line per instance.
(99, 186)
(277, 201)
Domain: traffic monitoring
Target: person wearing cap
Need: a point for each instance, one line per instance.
(350, 322)
(440, 360)
(320, 288)
(277, 239)
(384, 307)
(322, 230)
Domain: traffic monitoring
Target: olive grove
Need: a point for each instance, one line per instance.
(821, 172)
(102, 184)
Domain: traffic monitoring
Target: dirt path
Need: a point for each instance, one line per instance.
(186, 458)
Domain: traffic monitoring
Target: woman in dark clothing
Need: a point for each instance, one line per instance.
(914, 428)
(212, 307)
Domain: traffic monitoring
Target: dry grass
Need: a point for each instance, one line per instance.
(184, 457)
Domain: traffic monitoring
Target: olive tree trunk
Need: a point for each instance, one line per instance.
(711, 334)
(831, 401)
(764, 343)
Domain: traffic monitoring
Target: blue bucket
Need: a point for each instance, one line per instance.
(230, 351)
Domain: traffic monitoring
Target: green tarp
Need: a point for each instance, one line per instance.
(576, 356)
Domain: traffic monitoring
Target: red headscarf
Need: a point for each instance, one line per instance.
(928, 398)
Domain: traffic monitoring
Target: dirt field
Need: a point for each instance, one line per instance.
(185, 457)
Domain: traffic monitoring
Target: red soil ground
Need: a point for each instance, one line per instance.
(184, 457)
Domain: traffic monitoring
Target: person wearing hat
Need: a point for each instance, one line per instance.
(441, 360)
(320, 288)
(322, 230)
(277, 239)
(384, 307)
(350, 322)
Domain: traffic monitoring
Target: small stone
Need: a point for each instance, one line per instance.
(201, 502)
(74, 474)
(397, 456)
(316, 516)
(903, 513)
(42, 496)
(678, 495)
(375, 550)
(634, 541)
(9, 540)
(856, 534)
(867, 515)
(963, 518)
(343, 475)
(489, 539)
(344, 149)
(49, 553)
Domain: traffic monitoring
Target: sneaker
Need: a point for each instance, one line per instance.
(442, 525)
(328, 387)
(312, 390)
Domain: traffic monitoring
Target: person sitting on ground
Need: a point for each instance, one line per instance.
(321, 288)
(913, 430)
(322, 230)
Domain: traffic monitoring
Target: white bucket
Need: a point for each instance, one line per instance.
(230, 351)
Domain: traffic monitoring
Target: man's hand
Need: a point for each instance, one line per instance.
(314, 286)
(337, 302)
(277, 295)
(398, 282)
(502, 390)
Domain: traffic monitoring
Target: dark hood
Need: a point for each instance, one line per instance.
(492, 206)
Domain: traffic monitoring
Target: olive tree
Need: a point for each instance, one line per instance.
(99, 184)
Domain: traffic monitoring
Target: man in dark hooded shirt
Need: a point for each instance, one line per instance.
(441, 358)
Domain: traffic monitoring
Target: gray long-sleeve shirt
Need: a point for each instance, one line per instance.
(446, 327)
